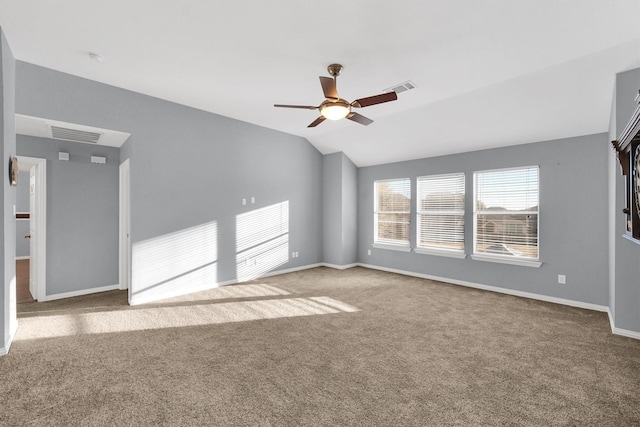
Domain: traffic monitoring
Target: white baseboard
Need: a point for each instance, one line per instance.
(20, 258)
(540, 297)
(546, 298)
(339, 267)
(626, 333)
(290, 270)
(80, 293)
(7, 344)
(142, 299)
(619, 331)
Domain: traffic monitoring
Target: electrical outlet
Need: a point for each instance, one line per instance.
(369, 252)
(244, 201)
(562, 279)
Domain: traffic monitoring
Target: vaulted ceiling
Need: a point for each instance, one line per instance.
(488, 73)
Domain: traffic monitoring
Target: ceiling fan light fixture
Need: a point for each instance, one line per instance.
(335, 110)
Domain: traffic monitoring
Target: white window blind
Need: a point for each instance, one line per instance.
(506, 213)
(440, 216)
(392, 211)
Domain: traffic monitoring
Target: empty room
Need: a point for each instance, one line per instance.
(280, 213)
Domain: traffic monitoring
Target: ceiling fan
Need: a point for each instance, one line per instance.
(336, 108)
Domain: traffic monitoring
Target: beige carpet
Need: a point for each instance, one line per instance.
(319, 347)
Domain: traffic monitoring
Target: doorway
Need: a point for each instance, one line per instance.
(36, 237)
(125, 228)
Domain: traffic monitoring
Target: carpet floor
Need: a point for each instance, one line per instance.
(319, 347)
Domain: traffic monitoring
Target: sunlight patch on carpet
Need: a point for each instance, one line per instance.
(175, 317)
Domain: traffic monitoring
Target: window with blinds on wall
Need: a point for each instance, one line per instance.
(506, 212)
(392, 212)
(440, 213)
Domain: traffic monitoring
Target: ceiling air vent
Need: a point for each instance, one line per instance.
(75, 135)
(402, 87)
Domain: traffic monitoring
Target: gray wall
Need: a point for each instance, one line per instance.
(8, 321)
(573, 218)
(626, 307)
(349, 211)
(339, 209)
(82, 214)
(22, 205)
(190, 168)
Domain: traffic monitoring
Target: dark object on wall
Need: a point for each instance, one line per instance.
(13, 171)
(628, 150)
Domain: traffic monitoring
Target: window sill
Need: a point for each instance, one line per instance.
(436, 252)
(631, 239)
(512, 261)
(392, 247)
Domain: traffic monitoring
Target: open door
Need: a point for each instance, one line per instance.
(125, 228)
(32, 231)
(37, 169)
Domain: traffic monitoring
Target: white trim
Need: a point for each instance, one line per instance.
(4, 350)
(81, 292)
(626, 333)
(338, 267)
(504, 260)
(289, 270)
(22, 258)
(619, 331)
(392, 247)
(440, 252)
(124, 225)
(40, 218)
(141, 299)
(631, 239)
(497, 289)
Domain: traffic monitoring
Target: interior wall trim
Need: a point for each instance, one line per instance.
(530, 295)
(7, 344)
(619, 331)
(339, 267)
(579, 304)
(141, 299)
(80, 292)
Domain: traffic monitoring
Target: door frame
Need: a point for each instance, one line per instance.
(124, 264)
(39, 254)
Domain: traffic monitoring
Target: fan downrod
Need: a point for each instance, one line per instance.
(334, 70)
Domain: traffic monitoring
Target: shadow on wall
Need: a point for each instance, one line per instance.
(186, 261)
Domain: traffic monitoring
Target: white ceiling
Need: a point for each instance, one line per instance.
(489, 73)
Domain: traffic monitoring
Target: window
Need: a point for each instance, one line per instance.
(392, 212)
(506, 215)
(440, 217)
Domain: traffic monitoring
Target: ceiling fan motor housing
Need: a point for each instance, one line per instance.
(335, 110)
(334, 70)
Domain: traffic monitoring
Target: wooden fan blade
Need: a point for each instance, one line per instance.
(317, 121)
(359, 118)
(306, 107)
(373, 100)
(329, 87)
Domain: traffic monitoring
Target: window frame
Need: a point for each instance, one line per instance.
(433, 250)
(387, 243)
(504, 259)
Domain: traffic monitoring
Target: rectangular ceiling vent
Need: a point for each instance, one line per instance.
(75, 135)
(402, 87)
